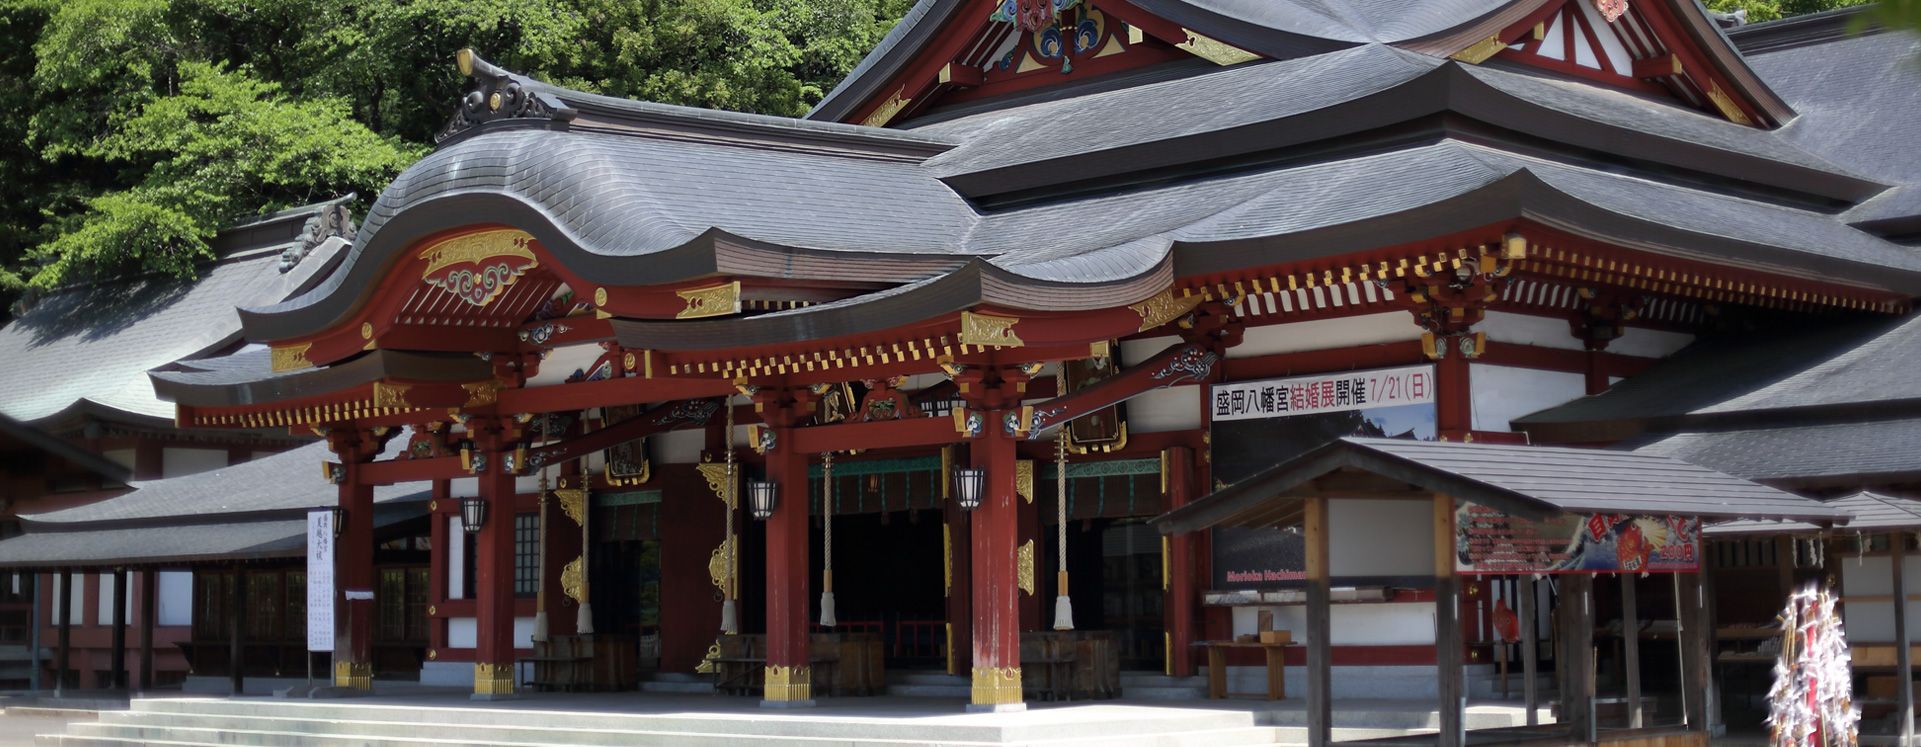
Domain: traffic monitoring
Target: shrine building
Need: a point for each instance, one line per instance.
(984, 367)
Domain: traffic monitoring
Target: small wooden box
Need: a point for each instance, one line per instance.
(1277, 636)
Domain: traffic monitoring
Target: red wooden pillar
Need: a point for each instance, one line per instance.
(997, 637)
(494, 570)
(1454, 394)
(789, 673)
(957, 542)
(1179, 582)
(1596, 374)
(354, 564)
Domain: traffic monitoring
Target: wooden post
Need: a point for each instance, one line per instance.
(789, 674)
(1182, 596)
(494, 569)
(63, 654)
(117, 661)
(237, 619)
(149, 613)
(354, 563)
(997, 663)
(1631, 648)
(1694, 659)
(1448, 645)
(1530, 649)
(1320, 681)
(1898, 549)
(1577, 655)
(957, 570)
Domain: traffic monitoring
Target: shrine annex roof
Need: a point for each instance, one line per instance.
(86, 349)
(1870, 512)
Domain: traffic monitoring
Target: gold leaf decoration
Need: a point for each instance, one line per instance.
(719, 300)
(722, 558)
(716, 474)
(1024, 567)
(291, 357)
(706, 665)
(391, 395)
(573, 502)
(1024, 479)
(946, 560)
(482, 393)
(573, 577)
(1164, 307)
(888, 109)
(997, 685)
(794, 683)
(1215, 51)
(986, 329)
(1479, 51)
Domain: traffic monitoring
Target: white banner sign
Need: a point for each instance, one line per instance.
(1336, 392)
(320, 581)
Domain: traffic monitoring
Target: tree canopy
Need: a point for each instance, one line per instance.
(133, 130)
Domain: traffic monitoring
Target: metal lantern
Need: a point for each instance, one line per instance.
(969, 483)
(762, 494)
(473, 514)
(340, 520)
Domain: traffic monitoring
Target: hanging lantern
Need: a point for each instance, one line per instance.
(762, 494)
(473, 513)
(969, 483)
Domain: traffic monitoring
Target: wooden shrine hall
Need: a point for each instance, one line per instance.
(904, 384)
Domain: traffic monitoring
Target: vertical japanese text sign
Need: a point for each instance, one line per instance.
(320, 580)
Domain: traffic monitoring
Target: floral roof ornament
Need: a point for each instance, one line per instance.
(1031, 15)
(1611, 9)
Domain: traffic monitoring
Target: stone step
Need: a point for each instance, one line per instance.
(677, 686)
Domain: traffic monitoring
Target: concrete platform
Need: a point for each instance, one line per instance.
(421, 718)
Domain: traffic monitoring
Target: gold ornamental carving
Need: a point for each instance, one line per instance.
(573, 577)
(706, 665)
(716, 475)
(1024, 479)
(1479, 51)
(391, 395)
(719, 561)
(986, 329)
(1024, 567)
(888, 109)
(477, 267)
(1726, 105)
(1164, 307)
(790, 683)
(1215, 51)
(997, 685)
(291, 357)
(482, 393)
(357, 675)
(719, 300)
(493, 679)
(573, 502)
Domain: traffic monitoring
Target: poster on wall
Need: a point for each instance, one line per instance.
(1258, 424)
(320, 581)
(1488, 541)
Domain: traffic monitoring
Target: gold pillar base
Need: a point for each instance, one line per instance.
(789, 685)
(355, 675)
(493, 680)
(997, 686)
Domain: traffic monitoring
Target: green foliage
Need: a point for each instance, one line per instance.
(132, 130)
(1770, 10)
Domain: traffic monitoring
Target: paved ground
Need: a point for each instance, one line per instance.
(18, 730)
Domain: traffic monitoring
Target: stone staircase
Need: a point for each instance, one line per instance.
(276, 723)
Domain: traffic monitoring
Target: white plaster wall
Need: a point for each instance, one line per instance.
(1527, 329)
(1380, 538)
(1384, 624)
(1503, 393)
(1873, 622)
(104, 589)
(463, 632)
(456, 560)
(1135, 351)
(77, 606)
(1649, 343)
(463, 487)
(563, 361)
(122, 457)
(177, 462)
(679, 447)
(1171, 409)
(176, 598)
(1320, 334)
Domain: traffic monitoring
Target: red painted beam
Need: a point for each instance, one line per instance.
(1186, 363)
(876, 435)
(588, 394)
(660, 419)
(395, 471)
(1324, 361)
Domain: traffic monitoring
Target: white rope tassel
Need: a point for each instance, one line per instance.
(827, 619)
(1063, 606)
(729, 616)
(540, 567)
(584, 614)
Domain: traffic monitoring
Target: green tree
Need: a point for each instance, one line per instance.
(1772, 10)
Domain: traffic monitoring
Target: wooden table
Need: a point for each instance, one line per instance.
(1217, 667)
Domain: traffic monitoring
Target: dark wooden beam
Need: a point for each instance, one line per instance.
(63, 655)
(1530, 649)
(1576, 608)
(1903, 664)
(1320, 687)
(1631, 648)
(237, 624)
(117, 666)
(149, 614)
(1449, 648)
